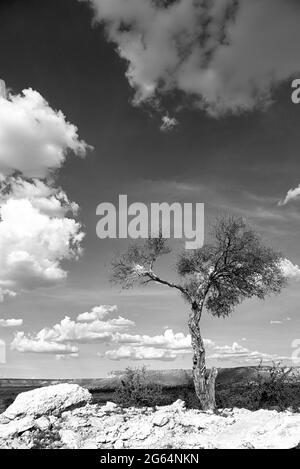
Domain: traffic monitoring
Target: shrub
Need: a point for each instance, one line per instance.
(135, 390)
(272, 387)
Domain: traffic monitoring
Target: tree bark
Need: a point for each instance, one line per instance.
(204, 380)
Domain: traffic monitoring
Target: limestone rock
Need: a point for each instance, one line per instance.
(42, 423)
(160, 419)
(110, 407)
(92, 426)
(16, 427)
(48, 400)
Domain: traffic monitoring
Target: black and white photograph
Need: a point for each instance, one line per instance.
(149, 227)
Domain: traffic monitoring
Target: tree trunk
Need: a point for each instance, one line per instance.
(204, 380)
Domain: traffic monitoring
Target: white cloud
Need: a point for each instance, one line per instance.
(168, 123)
(226, 55)
(112, 331)
(293, 194)
(11, 322)
(6, 292)
(66, 357)
(98, 312)
(280, 321)
(34, 138)
(24, 344)
(35, 234)
(290, 270)
(68, 331)
(168, 340)
(238, 353)
(157, 349)
(80, 332)
(143, 353)
(37, 226)
(44, 197)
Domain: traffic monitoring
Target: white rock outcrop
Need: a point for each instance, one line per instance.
(93, 426)
(51, 400)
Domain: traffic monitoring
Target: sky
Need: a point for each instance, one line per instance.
(180, 101)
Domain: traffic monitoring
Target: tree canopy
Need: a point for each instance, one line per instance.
(234, 266)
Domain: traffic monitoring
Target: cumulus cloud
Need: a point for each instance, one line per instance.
(98, 312)
(38, 229)
(43, 196)
(68, 331)
(142, 353)
(6, 292)
(165, 347)
(83, 332)
(24, 344)
(168, 340)
(238, 353)
(225, 55)
(293, 194)
(97, 326)
(11, 322)
(34, 138)
(290, 270)
(35, 234)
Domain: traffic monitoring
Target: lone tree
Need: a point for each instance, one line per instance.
(216, 278)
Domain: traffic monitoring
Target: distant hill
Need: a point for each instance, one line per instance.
(175, 383)
(165, 378)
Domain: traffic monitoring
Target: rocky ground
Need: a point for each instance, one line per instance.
(62, 416)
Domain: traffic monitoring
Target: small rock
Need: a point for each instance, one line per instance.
(110, 407)
(52, 419)
(119, 444)
(88, 444)
(16, 427)
(178, 405)
(42, 423)
(160, 420)
(69, 439)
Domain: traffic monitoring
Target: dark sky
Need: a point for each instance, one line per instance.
(244, 164)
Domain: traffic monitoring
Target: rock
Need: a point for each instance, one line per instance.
(69, 439)
(160, 420)
(173, 426)
(110, 407)
(52, 419)
(42, 423)
(177, 406)
(16, 427)
(48, 400)
(89, 445)
(143, 431)
(119, 444)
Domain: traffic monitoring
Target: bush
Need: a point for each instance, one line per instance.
(136, 391)
(274, 387)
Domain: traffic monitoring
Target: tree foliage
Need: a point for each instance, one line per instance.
(234, 266)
